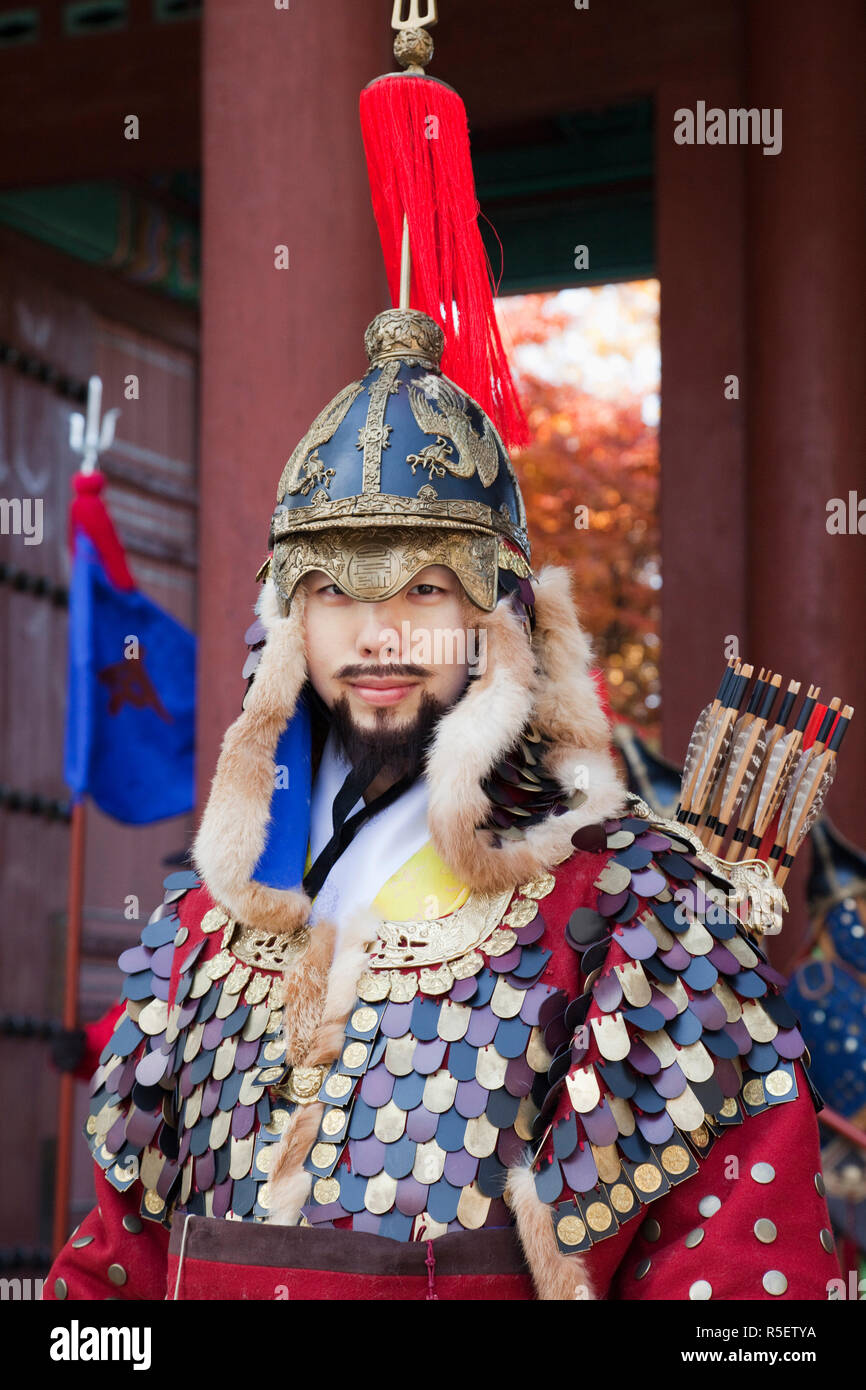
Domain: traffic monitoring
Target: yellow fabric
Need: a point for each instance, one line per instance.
(422, 887)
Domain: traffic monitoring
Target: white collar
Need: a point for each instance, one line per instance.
(380, 848)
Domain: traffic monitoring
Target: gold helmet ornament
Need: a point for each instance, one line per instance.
(407, 467)
(407, 450)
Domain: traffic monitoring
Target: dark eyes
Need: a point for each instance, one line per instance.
(423, 590)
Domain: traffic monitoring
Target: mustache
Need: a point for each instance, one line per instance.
(392, 668)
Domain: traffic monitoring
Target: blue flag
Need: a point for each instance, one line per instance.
(130, 726)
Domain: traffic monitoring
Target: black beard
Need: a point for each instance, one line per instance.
(400, 749)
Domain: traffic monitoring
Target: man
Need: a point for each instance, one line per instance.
(439, 1029)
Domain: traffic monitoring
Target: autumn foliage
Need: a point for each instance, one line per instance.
(590, 476)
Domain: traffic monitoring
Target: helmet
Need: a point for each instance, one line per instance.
(401, 470)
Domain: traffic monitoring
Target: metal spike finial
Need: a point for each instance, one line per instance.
(413, 44)
(93, 435)
(414, 19)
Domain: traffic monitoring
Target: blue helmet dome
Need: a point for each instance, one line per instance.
(403, 447)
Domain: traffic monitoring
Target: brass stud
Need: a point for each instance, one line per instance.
(132, 1223)
(700, 1290)
(763, 1172)
(708, 1206)
(651, 1230)
(765, 1231)
(774, 1281)
(694, 1238)
(642, 1269)
(80, 1243)
(826, 1239)
(117, 1274)
(61, 1288)
(819, 1185)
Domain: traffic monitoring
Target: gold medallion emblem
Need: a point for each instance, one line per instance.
(647, 1177)
(621, 1197)
(323, 1155)
(675, 1159)
(778, 1083)
(571, 1230)
(364, 1019)
(753, 1092)
(326, 1191)
(265, 1158)
(338, 1085)
(354, 1055)
(599, 1217)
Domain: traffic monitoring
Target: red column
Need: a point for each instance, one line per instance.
(283, 165)
(699, 222)
(806, 267)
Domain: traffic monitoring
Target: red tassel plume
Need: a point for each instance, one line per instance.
(416, 139)
(89, 516)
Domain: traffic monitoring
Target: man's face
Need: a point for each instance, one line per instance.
(383, 658)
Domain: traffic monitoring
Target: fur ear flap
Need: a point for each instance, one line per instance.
(568, 708)
(471, 738)
(555, 1275)
(550, 684)
(234, 826)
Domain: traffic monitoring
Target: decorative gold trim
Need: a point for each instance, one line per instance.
(510, 560)
(373, 435)
(385, 508)
(407, 335)
(439, 408)
(374, 565)
(264, 949)
(483, 918)
(427, 942)
(751, 879)
(303, 1084)
(298, 476)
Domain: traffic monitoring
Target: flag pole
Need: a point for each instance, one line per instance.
(88, 436)
(66, 1115)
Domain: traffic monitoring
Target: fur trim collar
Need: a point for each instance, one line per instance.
(234, 826)
(547, 683)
